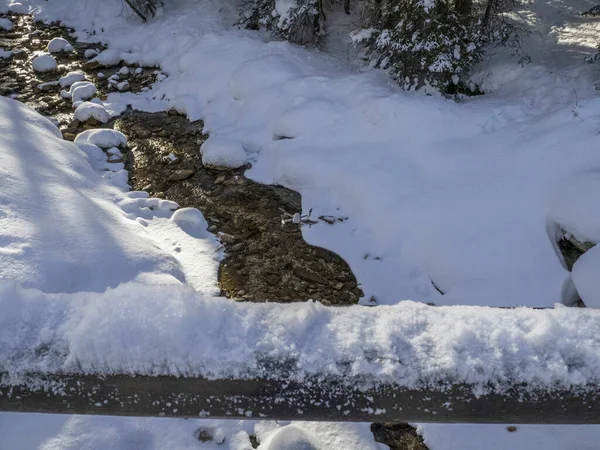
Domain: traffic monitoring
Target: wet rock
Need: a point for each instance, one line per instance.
(272, 279)
(182, 174)
(309, 276)
(398, 436)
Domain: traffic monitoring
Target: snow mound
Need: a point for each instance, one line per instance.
(103, 138)
(89, 110)
(80, 91)
(190, 216)
(90, 53)
(5, 24)
(58, 45)
(289, 437)
(108, 57)
(70, 78)
(221, 153)
(5, 53)
(577, 207)
(61, 229)
(586, 277)
(44, 63)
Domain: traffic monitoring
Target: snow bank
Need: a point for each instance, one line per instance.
(179, 332)
(58, 45)
(44, 63)
(60, 432)
(61, 229)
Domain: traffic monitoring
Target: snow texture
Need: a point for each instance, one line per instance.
(58, 45)
(70, 78)
(88, 110)
(223, 153)
(464, 196)
(5, 24)
(103, 138)
(44, 63)
(80, 91)
(5, 53)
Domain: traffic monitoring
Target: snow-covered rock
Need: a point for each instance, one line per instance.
(123, 86)
(223, 154)
(58, 45)
(80, 91)
(90, 53)
(190, 216)
(104, 138)
(124, 70)
(5, 24)
(89, 110)
(44, 63)
(5, 53)
(70, 78)
(586, 277)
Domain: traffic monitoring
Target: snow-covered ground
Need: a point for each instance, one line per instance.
(465, 197)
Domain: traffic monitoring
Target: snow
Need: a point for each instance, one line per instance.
(586, 277)
(223, 153)
(44, 63)
(577, 206)
(58, 45)
(126, 433)
(88, 110)
(5, 54)
(5, 24)
(464, 196)
(103, 138)
(90, 53)
(70, 78)
(80, 91)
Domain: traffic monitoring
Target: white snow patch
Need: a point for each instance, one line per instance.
(58, 45)
(586, 277)
(5, 53)
(5, 24)
(70, 78)
(103, 138)
(221, 152)
(44, 63)
(88, 110)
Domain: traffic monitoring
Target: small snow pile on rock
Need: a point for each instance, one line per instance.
(89, 110)
(191, 217)
(114, 154)
(71, 78)
(59, 45)
(103, 138)
(123, 86)
(90, 53)
(5, 24)
(5, 53)
(80, 91)
(124, 70)
(223, 154)
(107, 58)
(44, 63)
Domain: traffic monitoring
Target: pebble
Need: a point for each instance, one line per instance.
(182, 174)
